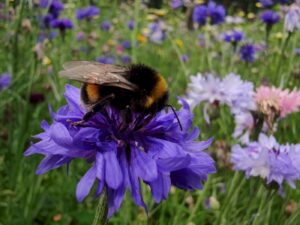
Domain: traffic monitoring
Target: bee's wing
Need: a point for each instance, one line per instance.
(97, 73)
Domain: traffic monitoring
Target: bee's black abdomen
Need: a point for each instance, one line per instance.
(143, 76)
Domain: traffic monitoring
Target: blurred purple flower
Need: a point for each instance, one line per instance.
(157, 153)
(55, 7)
(292, 19)
(87, 13)
(269, 160)
(105, 25)
(125, 59)
(244, 125)
(126, 44)
(106, 60)
(46, 20)
(157, 32)
(215, 13)
(266, 3)
(270, 17)
(80, 36)
(5, 81)
(184, 58)
(248, 53)
(131, 24)
(233, 36)
(175, 4)
(62, 24)
(297, 51)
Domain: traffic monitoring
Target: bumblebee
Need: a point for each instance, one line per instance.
(136, 88)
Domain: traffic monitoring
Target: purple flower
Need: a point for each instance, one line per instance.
(125, 59)
(297, 51)
(270, 17)
(46, 20)
(211, 90)
(55, 7)
(62, 24)
(176, 4)
(105, 25)
(269, 160)
(233, 36)
(248, 53)
(184, 58)
(87, 13)
(5, 81)
(266, 3)
(126, 44)
(157, 32)
(80, 36)
(292, 19)
(157, 153)
(215, 13)
(106, 60)
(130, 24)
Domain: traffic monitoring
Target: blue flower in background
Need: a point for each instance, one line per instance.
(176, 4)
(270, 17)
(5, 81)
(126, 59)
(233, 36)
(157, 32)
(184, 58)
(62, 24)
(87, 13)
(297, 51)
(55, 7)
(292, 19)
(106, 60)
(213, 13)
(105, 26)
(130, 24)
(200, 14)
(266, 3)
(248, 53)
(157, 153)
(268, 160)
(126, 44)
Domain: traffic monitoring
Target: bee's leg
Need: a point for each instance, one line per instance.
(96, 108)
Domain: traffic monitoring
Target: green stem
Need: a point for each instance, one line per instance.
(200, 199)
(102, 208)
(137, 7)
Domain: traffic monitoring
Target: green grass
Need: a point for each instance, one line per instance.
(26, 198)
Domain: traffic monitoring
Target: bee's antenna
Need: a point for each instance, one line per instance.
(175, 115)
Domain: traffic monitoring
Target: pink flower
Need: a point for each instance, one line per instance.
(276, 100)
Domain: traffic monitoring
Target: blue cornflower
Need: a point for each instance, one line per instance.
(157, 152)
(46, 20)
(105, 25)
(297, 51)
(213, 91)
(176, 4)
(268, 160)
(5, 81)
(200, 14)
(130, 24)
(87, 13)
(157, 32)
(126, 59)
(55, 7)
(270, 17)
(126, 44)
(215, 13)
(61, 24)
(233, 36)
(248, 53)
(106, 60)
(266, 3)
(184, 58)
